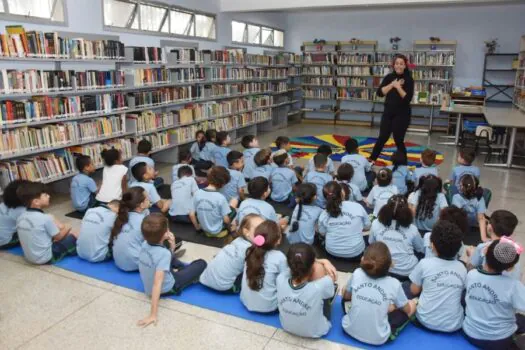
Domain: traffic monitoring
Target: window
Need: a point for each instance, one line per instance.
(254, 34)
(151, 17)
(33, 10)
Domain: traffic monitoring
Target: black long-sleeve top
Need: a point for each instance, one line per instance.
(394, 103)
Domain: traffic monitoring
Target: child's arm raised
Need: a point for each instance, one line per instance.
(155, 297)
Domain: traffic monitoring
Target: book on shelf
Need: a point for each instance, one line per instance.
(159, 140)
(354, 71)
(321, 93)
(149, 121)
(148, 76)
(355, 58)
(145, 54)
(321, 70)
(100, 127)
(180, 75)
(183, 55)
(160, 96)
(94, 150)
(433, 58)
(318, 58)
(359, 94)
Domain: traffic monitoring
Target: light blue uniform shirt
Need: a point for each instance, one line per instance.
(319, 179)
(401, 242)
(400, 177)
(175, 171)
(282, 179)
(330, 169)
(256, 206)
(8, 217)
(473, 207)
(344, 234)
(134, 161)
(439, 307)
(426, 224)
(219, 154)
(379, 196)
(36, 230)
(208, 152)
(249, 164)
(460, 170)
(367, 320)
(355, 195)
(301, 307)
(82, 186)
(127, 245)
(422, 171)
(478, 259)
(429, 253)
(306, 231)
(211, 207)
(264, 171)
(195, 151)
(154, 258)
(182, 192)
(361, 165)
(95, 232)
(232, 188)
(265, 299)
(492, 301)
(226, 266)
(150, 189)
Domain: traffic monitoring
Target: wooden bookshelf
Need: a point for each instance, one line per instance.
(519, 83)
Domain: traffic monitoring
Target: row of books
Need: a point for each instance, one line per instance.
(148, 76)
(429, 93)
(323, 70)
(159, 140)
(221, 73)
(520, 79)
(519, 98)
(317, 93)
(294, 71)
(439, 74)
(356, 71)
(141, 99)
(280, 87)
(187, 74)
(352, 82)
(362, 94)
(148, 121)
(146, 54)
(318, 81)
(209, 91)
(357, 58)
(187, 133)
(100, 127)
(433, 58)
(318, 57)
(94, 150)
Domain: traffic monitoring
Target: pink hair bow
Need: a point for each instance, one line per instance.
(517, 246)
(259, 240)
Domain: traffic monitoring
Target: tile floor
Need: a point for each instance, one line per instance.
(46, 307)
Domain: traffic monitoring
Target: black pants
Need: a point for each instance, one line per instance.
(186, 274)
(506, 343)
(395, 124)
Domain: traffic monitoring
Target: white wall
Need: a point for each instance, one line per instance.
(469, 25)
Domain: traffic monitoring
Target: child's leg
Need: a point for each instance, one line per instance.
(398, 320)
(92, 201)
(188, 275)
(236, 289)
(507, 343)
(65, 247)
(184, 219)
(12, 243)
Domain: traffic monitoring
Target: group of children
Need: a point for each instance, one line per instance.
(413, 247)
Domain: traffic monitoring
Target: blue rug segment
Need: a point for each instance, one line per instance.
(198, 295)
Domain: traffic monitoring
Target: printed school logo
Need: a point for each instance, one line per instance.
(371, 293)
(482, 293)
(205, 205)
(448, 279)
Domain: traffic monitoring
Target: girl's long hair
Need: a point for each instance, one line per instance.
(271, 234)
(305, 195)
(131, 200)
(396, 209)
(301, 259)
(469, 187)
(332, 192)
(430, 186)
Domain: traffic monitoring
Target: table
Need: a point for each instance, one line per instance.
(512, 119)
(460, 110)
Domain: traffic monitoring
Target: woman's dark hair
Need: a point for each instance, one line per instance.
(218, 176)
(447, 239)
(220, 137)
(82, 161)
(455, 215)
(332, 192)
(430, 186)
(258, 186)
(131, 199)
(470, 187)
(262, 157)
(501, 256)
(324, 149)
(396, 209)
(351, 146)
(111, 156)
(345, 172)
(384, 177)
(376, 260)
(398, 158)
(305, 195)
(301, 259)
(405, 59)
(271, 232)
(11, 197)
(210, 135)
(144, 146)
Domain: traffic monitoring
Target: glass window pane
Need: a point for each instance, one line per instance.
(204, 26)
(181, 23)
(166, 27)
(151, 17)
(238, 31)
(213, 31)
(34, 8)
(254, 34)
(278, 38)
(135, 24)
(267, 36)
(117, 13)
(58, 15)
(1, 6)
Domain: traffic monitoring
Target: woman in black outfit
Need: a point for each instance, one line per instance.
(398, 89)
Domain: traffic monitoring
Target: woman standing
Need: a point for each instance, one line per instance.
(398, 89)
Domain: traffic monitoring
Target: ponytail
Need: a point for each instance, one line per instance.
(305, 195)
(346, 189)
(130, 201)
(470, 187)
(266, 237)
(396, 209)
(301, 259)
(429, 188)
(332, 192)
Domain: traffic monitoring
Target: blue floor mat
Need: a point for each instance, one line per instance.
(198, 295)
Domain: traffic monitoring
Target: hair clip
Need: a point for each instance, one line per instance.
(298, 255)
(517, 246)
(259, 240)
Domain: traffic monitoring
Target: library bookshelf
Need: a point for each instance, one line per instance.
(519, 84)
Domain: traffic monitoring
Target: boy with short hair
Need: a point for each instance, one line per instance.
(363, 175)
(185, 159)
(43, 238)
(143, 155)
(162, 273)
(283, 179)
(83, 187)
(182, 192)
(327, 151)
(263, 160)
(221, 151)
(234, 189)
(465, 159)
(319, 177)
(428, 160)
(143, 174)
(283, 143)
(251, 147)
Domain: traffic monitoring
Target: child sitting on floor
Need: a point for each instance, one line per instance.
(234, 189)
(161, 272)
(283, 143)
(305, 215)
(126, 235)
(363, 174)
(492, 299)
(470, 198)
(263, 264)
(327, 151)
(454, 215)
(224, 272)
(465, 159)
(43, 238)
(113, 177)
(185, 159)
(95, 232)
(502, 223)
(83, 188)
(143, 155)
(428, 167)
(208, 151)
(221, 151)
(211, 210)
(283, 179)
(182, 192)
(251, 147)
(342, 224)
(206, 148)
(345, 173)
(312, 282)
(319, 178)
(380, 309)
(427, 202)
(400, 173)
(263, 165)
(439, 281)
(394, 228)
(143, 173)
(10, 210)
(381, 193)
(197, 146)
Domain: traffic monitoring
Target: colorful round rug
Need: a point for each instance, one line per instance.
(306, 147)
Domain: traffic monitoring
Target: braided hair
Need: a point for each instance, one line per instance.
(429, 188)
(305, 195)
